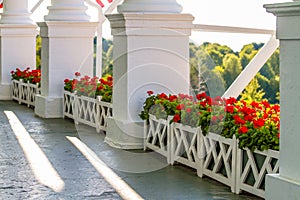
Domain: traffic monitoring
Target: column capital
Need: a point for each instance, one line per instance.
(150, 6)
(67, 10)
(15, 12)
(288, 16)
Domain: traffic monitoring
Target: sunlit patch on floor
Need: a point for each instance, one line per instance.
(41, 167)
(122, 188)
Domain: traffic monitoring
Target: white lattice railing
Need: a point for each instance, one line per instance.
(24, 92)
(252, 169)
(211, 155)
(103, 111)
(185, 145)
(68, 104)
(218, 159)
(87, 110)
(157, 136)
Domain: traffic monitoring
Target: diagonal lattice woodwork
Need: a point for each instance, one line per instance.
(103, 111)
(185, 141)
(15, 90)
(24, 92)
(85, 109)
(32, 90)
(69, 104)
(157, 136)
(252, 168)
(218, 159)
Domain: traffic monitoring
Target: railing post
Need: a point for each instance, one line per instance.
(286, 184)
(67, 47)
(151, 52)
(18, 42)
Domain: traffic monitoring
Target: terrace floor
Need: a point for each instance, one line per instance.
(55, 159)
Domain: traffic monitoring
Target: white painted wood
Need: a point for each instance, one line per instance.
(146, 48)
(184, 145)
(231, 29)
(150, 6)
(67, 10)
(69, 104)
(103, 111)
(219, 153)
(24, 92)
(85, 109)
(15, 12)
(67, 48)
(258, 173)
(157, 136)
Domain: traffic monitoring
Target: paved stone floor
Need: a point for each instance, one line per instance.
(144, 172)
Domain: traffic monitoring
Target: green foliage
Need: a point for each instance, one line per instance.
(252, 92)
(214, 67)
(232, 68)
(38, 51)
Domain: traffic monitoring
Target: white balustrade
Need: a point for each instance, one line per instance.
(24, 92)
(86, 110)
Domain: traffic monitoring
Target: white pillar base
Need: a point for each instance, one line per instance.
(278, 188)
(48, 107)
(124, 135)
(5, 92)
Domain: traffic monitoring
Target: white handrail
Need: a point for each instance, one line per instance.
(112, 6)
(231, 29)
(36, 6)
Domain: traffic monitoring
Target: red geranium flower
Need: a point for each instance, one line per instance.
(150, 92)
(176, 118)
(77, 74)
(243, 129)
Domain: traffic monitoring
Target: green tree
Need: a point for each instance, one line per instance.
(232, 68)
(38, 51)
(252, 92)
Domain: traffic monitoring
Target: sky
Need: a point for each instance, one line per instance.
(239, 13)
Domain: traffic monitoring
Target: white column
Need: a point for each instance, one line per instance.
(67, 47)
(15, 12)
(151, 52)
(17, 42)
(286, 184)
(67, 10)
(150, 6)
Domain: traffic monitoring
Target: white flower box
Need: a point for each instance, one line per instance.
(185, 145)
(68, 104)
(157, 136)
(24, 92)
(85, 110)
(103, 111)
(218, 159)
(252, 168)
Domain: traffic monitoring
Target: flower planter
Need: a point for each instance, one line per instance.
(157, 136)
(218, 159)
(185, 145)
(103, 111)
(68, 104)
(252, 168)
(85, 110)
(24, 92)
